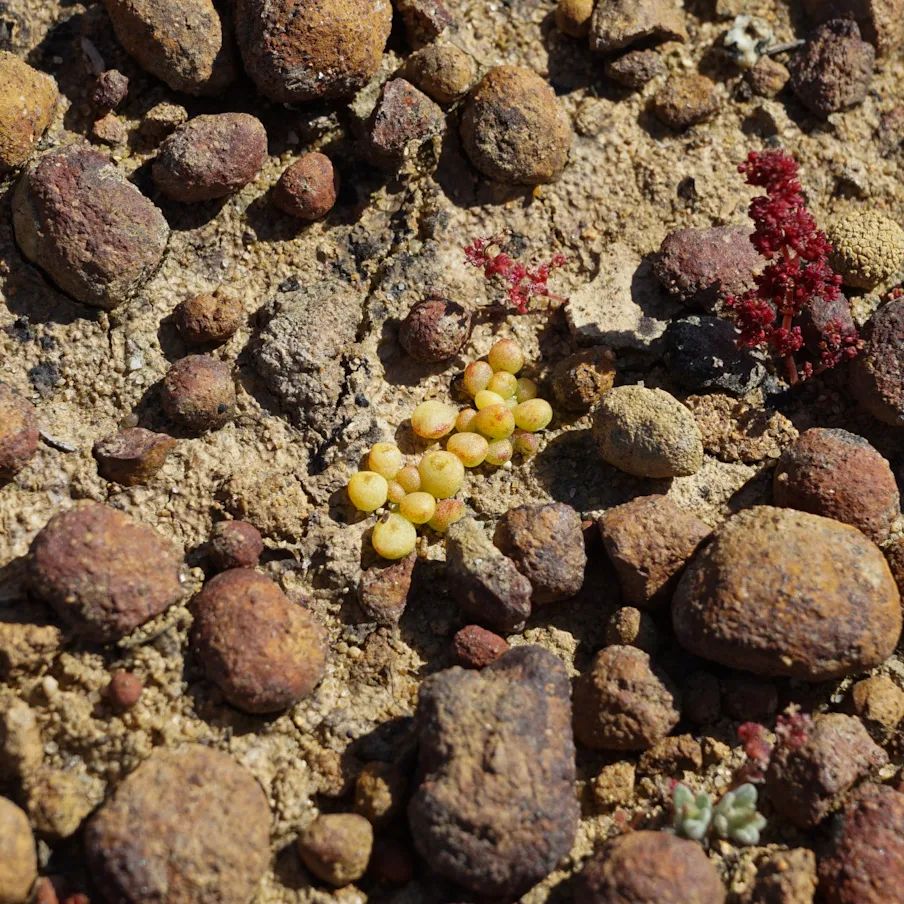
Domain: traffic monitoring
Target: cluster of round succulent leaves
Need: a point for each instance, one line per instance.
(504, 421)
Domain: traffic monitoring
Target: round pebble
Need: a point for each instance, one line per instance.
(124, 689)
(582, 379)
(513, 128)
(647, 433)
(210, 157)
(109, 90)
(839, 475)
(296, 52)
(19, 861)
(92, 231)
(573, 17)
(475, 647)
(336, 847)
(27, 104)
(18, 432)
(187, 825)
(623, 702)
(209, 319)
(234, 544)
(629, 627)
(879, 702)
(435, 329)
(784, 593)
(443, 72)
(102, 572)
(264, 652)
(132, 456)
(198, 393)
(686, 100)
(308, 188)
(868, 248)
(876, 375)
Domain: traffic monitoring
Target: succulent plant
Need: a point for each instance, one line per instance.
(692, 813)
(736, 817)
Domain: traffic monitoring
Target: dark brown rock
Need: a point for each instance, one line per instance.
(629, 627)
(649, 868)
(834, 69)
(181, 42)
(879, 702)
(443, 72)
(779, 592)
(435, 329)
(264, 652)
(649, 540)
(805, 781)
(580, 380)
(383, 591)
(308, 188)
(92, 231)
(124, 689)
(623, 702)
(403, 119)
(686, 100)
(839, 475)
(133, 456)
(881, 21)
(210, 157)
(494, 745)
(877, 375)
(487, 586)
(209, 319)
(700, 267)
(475, 647)
(27, 107)
(109, 90)
(336, 847)
(425, 20)
(701, 698)
(513, 128)
(144, 845)
(18, 432)
(546, 544)
(621, 23)
(866, 863)
(102, 572)
(784, 877)
(297, 52)
(635, 68)
(198, 393)
(234, 544)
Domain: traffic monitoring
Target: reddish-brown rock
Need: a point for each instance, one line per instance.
(198, 393)
(209, 318)
(234, 544)
(403, 119)
(27, 105)
(580, 380)
(475, 647)
(383, 591)
(784, 593)
(435, 329)
(18, 432)
(877, 375)
(132, 456)
(686, 100)
(308, 188)
(103, 573)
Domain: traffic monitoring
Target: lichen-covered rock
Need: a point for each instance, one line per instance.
(495, 745)
(263, 651)
(546, 543)
(336, 847)
(198, 393)
(181, 42)
(834, 69)
(839, 475)
(487, 586)
(443, 72)
(649, 540)
(93, 232)
(27, 103)
(780, 592)
(805, 781)
(133, 456)
(582, 379)
(866, 861)
(187, 825)
(877, 375)
(102, 572)
(686, 100)
(383, 590)
(647, 432)
(308, 188)
(513, 128)
(19, 863)
(623, 701)
(18, 432)
(403, 119)
(621, 23)
(648, 867)
(635, 68)
(868, 248)
(210, 157)
(435, 329)
(881, 21)
(313, 49)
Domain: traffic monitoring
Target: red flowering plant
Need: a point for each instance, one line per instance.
(523, 283)
(798, 284)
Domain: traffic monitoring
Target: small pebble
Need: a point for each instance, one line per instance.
(383, 590)
(109, 130)
(839, 475)
(18, 432)
(868, 248)
(211, 156)
(834, 69)
(635, 68)
(623, 702)
(580, 380)
(264, 652)
(621, 23)
(209, 319)
(234, 544)
(308, 188)
(19, 862)
(162, 120)
(629, 627)
(647, 433)
(124, 689)
(443, 72)
(475, 647)
(21, 746)
(876, 373)
(879, 702)
(27, 105)
(573, 17)
(785, 877)
(403, 119)
(336, 847)
(424, 20)
(435, 329)
(686, 100)
(133, 456)
(381, 792)
(146, 843)
(614, 786)
(102, 572)
(514, 129)
(198, 393)
(109, 90)
(768, 77)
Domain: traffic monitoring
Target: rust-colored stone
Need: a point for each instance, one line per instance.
(234, 544)
(383, 591)
(132, 456)
(27, 104)
(308, 188)
(18, 432)
(209, 318)
(198, 393)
